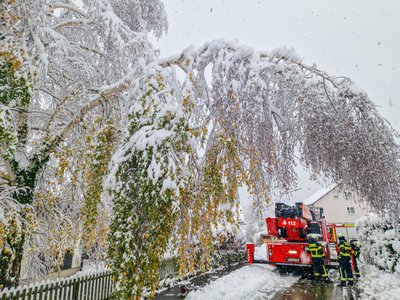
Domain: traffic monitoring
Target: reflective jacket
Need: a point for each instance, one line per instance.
(356, 250)
(344, 249)
(315, 250)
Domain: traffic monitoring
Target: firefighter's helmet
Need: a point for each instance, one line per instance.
(355, 242)
(312, 238)
(341, 237)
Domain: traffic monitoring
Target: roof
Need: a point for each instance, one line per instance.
(318, 195)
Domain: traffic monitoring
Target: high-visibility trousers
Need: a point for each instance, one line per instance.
(345, 272)
(319, 267)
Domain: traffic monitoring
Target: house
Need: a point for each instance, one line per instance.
(340, 205)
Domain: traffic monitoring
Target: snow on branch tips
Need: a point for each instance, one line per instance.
(273, 103)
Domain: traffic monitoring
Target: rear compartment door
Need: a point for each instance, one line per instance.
(288, 253)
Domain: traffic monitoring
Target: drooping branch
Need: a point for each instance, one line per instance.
(329, 123)
(106, 94)
(295, 60)
(181, 59)
(71, 22)
(68, 7)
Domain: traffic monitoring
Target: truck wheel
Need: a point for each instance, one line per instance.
(283, 270)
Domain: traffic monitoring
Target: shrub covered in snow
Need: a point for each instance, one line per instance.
(380, 241)
(377, 284)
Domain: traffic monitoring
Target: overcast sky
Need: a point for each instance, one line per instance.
(359, 39)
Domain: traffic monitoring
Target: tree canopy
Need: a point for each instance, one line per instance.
(94, 123)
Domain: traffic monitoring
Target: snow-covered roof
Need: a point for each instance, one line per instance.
(318, 195)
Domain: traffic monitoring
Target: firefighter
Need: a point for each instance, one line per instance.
(355, 246)
(344, 255)
(317, 256)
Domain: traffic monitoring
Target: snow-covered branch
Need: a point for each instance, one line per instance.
(10, 173)
(69, 7)
(71, 22)
(105, 95)
(289, 56)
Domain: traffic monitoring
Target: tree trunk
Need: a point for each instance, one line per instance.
(14, 230)
(10, 263)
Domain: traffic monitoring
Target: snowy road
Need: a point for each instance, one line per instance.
(263, 282)
(249, 282)
(310, 290)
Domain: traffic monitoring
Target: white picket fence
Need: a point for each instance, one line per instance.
(91, 286)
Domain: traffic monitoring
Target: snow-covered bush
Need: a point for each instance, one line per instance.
(380, 241)
(229, 245)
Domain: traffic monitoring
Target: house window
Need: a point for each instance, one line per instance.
(351, 210)
(348, 195)
(336, 196)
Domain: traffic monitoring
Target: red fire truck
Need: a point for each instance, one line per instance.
(290, 229)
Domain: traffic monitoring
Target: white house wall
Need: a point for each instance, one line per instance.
(336, 206)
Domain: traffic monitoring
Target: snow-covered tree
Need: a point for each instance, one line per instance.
(258, 111)
(246, 128)
(146, 193)
(273, 103)
(73, 77)
(65, 72)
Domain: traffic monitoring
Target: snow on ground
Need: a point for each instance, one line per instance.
(377, 284)
(92, 266)
(249, 282)
(260, 252)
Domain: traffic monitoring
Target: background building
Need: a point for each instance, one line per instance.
(340, 205)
